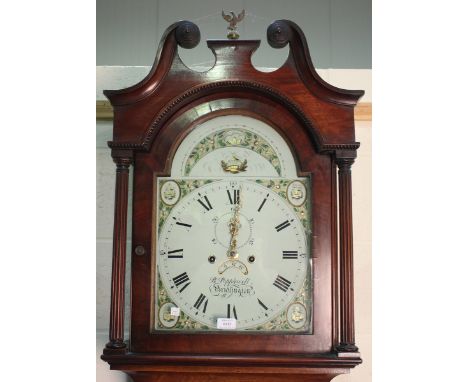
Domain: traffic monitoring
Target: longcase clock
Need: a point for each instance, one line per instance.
(236, 270)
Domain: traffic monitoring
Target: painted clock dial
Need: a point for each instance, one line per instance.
(233, 227)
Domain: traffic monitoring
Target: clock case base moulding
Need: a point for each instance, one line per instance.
(218, 367)
(317, 119)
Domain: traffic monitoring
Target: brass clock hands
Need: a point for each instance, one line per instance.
(234, 226)
(232, 253)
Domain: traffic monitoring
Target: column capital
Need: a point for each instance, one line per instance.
(345, 159)
(123, 163)
(122, 158)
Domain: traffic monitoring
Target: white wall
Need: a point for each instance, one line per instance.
(118, 77)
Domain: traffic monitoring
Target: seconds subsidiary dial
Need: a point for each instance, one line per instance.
(231, 249)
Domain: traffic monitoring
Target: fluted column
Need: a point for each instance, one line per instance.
(344, 161)
(117, 308)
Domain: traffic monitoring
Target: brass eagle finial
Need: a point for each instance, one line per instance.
(232, 19)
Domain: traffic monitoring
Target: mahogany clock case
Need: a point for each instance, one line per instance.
(316, 119)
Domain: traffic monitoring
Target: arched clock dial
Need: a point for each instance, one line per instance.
(231, 138)
(233, 249)
(232, 232)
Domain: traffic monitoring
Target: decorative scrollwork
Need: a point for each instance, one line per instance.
(187, 35)
(279, 34)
